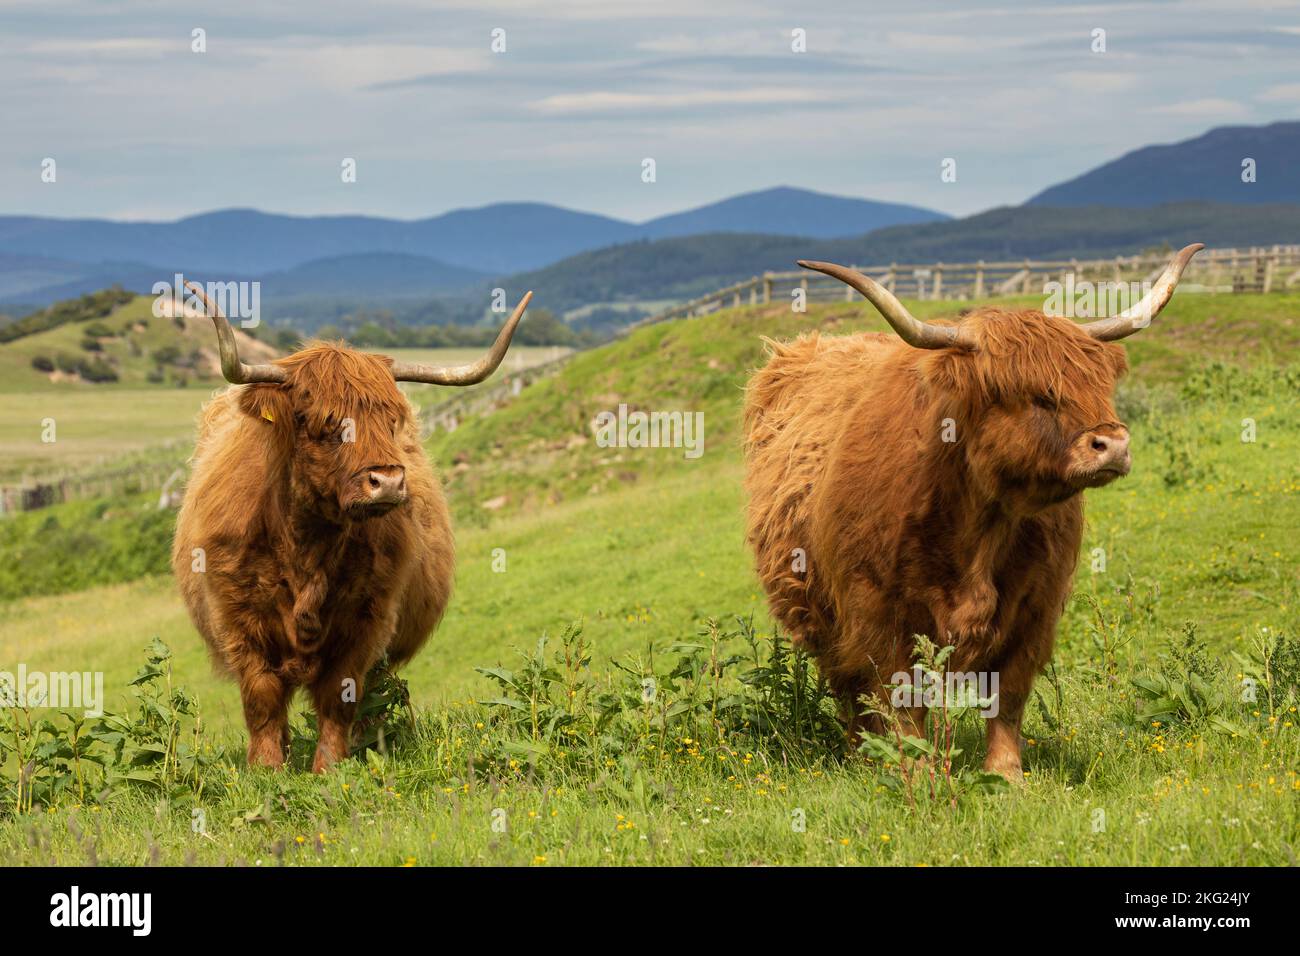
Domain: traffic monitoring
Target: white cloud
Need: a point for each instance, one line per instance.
(1098, 81)
(124, 47)
(1213, 109)
(1282, 93)
(609, 101)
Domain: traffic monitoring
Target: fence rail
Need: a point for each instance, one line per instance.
(1256, 269)
(76, 486)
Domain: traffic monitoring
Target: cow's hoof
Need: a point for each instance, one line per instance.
(1006, 767)
(323, 761)
(272, 757)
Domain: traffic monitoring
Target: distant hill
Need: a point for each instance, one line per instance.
(394, 274)
(245, 241)
(45, 259)
(1205, 168)
(685, 267)
(789, 212)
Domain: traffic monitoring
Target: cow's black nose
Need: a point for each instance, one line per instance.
(386, 485)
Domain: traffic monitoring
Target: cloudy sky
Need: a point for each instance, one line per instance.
(142, 127)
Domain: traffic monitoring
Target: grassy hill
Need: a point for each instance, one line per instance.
(131, 348)
(645, 548)
(539, 450)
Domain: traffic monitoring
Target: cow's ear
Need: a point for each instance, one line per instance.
(948, 371)
(268, 403)
(1118, 359)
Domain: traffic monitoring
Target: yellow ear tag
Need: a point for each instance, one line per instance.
(266, 413)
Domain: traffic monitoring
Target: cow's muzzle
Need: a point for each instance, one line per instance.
(1101, 456)
(383, 488)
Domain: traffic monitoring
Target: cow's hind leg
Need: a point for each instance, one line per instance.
(266, 712)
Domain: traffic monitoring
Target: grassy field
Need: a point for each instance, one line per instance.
(645, 548)
(95, 425)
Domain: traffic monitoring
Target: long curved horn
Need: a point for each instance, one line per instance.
(464, 374)
(922, 335)
(1139, 316)
(235, 371)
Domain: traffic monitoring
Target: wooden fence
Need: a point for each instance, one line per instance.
(1259, 269)
(165, 478)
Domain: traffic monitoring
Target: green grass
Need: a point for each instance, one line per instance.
(645, 549)
(94, 427)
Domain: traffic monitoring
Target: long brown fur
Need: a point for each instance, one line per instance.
(290, 589)
(972, 542)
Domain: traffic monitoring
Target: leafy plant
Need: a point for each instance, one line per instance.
(925, 765)
(653, 706)
(158, 743)
(1273, 662)
(1184, 691)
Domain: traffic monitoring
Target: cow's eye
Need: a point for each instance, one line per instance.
(1047, 402)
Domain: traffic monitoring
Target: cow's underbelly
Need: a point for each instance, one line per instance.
(871, 622)
(264, 622)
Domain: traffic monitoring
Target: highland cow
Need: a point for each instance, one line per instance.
(930, 483)
(314, 538)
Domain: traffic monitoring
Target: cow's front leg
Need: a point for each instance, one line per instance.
(266, 713)
(336, 695)
(1015, 681)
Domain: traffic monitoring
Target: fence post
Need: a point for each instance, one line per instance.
(767, 287)
(1024, 285)
(979, 280)
(889, 279)
(937, 289)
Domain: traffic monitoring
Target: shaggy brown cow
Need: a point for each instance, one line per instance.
(314, 537)
(930, 484)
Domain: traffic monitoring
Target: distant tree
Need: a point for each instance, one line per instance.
(43, 363)
(287, 339)
(543, 327)
(166, 355)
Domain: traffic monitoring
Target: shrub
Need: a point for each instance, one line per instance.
(82, 544)
(166, 355)
(550, 711)
(43, 363)
(96, 370)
